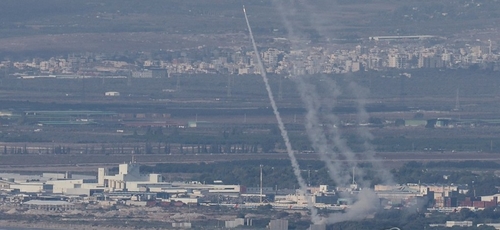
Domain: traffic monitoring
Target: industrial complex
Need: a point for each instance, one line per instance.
(126, 187)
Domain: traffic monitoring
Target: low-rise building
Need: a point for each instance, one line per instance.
(494, 225)
(112, 94)
(279, 224)
(450, 224)
(150, 73)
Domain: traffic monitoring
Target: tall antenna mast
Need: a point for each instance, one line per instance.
(354, 186)
(457, 100)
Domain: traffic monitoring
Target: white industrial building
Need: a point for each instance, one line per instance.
(62, 186)
(35, 187)
(130, 179)
(43, 183)
(112, 94)
(128, 182)
(450, 224)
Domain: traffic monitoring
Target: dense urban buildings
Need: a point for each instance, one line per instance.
(375, 54)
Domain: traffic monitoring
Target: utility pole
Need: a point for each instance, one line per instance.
(260, 197)
(129, 79)
(353, 173)
(83, 89)
(402, 92)
(490, 47)
(178, 84)
(229, 85)
(280, 89)
(309, 175)
(474, 189)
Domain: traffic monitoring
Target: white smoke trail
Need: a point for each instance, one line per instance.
(319, 140)
(314, 130)
(365, 134)
(284, 134)
(334, 134)
(367, 201)
(332, 122)
(362, 115)
(315, 133)
(359, 92)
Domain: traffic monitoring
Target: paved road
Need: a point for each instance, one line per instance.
(91, 162)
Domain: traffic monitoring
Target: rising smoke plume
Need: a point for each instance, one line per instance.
(367, 204)
(321, 114)
(316, 134)
(284, 134)
(313, 104)
(361, 94)
(321, 123)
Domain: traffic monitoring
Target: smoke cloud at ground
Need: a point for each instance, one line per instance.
(367, 203)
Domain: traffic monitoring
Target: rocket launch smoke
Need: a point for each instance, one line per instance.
(364, 133)
(284, 134)
(310, 98)
(314, 131)
(319, 115)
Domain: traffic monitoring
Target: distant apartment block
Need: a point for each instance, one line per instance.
(398, 61)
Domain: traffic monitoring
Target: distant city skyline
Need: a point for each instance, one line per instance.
(325, 59)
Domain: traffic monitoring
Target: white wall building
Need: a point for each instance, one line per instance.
(450, 224)
(495, 225)
(32, 187)
(62, 186)
(112, 94)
